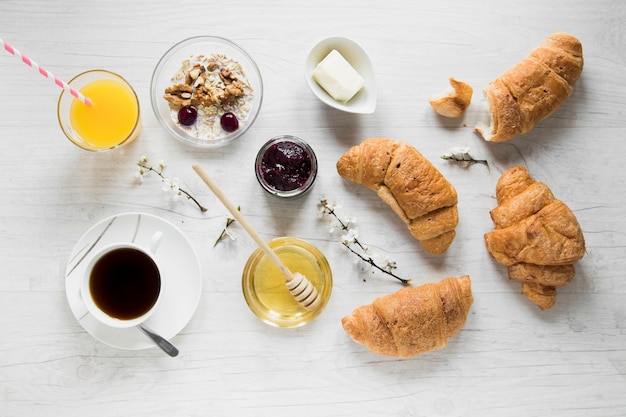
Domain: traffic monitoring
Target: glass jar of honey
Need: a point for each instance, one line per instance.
(265, 289)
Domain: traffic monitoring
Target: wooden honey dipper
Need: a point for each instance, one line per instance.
(298, 285)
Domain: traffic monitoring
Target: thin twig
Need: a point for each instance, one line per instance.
(373, 264)
(222, 236)
(367, 259)
(461, 155)
(189, 196)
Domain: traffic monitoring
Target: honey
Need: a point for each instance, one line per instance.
(264, 285)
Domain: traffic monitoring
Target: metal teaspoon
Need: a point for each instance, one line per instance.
(161, 342)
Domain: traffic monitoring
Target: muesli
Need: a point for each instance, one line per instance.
(206, 88)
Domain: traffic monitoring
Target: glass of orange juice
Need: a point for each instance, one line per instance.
(112, 120)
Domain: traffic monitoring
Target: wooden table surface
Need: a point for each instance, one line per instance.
(510, 359)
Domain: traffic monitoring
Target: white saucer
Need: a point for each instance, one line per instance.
(180, 268)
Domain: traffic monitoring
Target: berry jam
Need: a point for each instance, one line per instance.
(286, 166)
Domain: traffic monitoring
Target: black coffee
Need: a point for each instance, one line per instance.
(125, 283)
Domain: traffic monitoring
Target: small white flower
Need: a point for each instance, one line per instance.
(232, 235)
(350, 236)
(170, 185)
(161, 165)
(139, 174)
(388, 264)
(350, 220)
(459, 153)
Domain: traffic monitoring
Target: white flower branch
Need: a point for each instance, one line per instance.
(350, 241)
(461, 155)
(170, 185)
(226, 232)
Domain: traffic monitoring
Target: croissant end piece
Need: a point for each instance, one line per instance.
(454, 101)
(405, 180)
(413, 320)
(536, 236)
(532, 89)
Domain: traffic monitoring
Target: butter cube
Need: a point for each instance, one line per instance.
(337, 77)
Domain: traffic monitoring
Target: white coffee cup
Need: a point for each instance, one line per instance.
(123, 285)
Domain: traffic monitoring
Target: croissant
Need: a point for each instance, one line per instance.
(532, 89)
(413, 320)
(454, 101)
(536, 236)
(405, 180)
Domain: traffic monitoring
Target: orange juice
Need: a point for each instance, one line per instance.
(112, 118)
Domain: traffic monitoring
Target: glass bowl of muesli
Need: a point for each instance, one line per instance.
(206, 91)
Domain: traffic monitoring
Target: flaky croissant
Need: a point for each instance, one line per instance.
(532, 89)
(413, 320)
(454, 101)
(536, 236)
(409, 184)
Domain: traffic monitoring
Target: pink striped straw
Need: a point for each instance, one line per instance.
(45, 72)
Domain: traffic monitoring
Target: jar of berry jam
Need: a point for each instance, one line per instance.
(286, 166)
